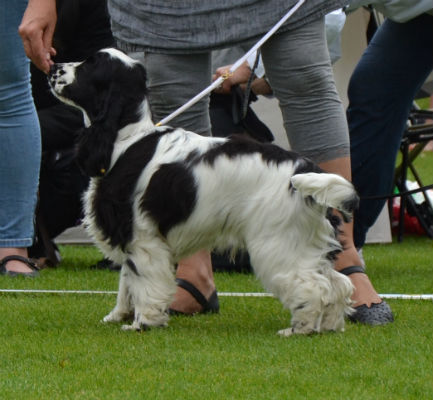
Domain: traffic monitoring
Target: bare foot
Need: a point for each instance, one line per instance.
(15, 265)
(196, 269)
(364, 291)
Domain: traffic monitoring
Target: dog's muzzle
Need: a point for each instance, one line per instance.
(55, 78)
(61, 75)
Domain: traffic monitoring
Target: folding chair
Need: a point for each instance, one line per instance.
(415, 139)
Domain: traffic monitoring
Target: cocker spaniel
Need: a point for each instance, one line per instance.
(158, 194)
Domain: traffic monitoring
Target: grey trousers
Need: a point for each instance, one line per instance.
(299, 70)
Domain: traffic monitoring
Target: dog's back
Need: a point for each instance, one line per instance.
(238, 187)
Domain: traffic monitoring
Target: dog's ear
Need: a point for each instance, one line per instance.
(95, 143)
(94, 149)
(114, 106)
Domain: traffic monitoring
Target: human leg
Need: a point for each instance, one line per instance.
(298, 67)
(61, 183)
(175, 79)
(381, 91)
(20, 137)
(364, 292)
(182, 77)
(196, 269)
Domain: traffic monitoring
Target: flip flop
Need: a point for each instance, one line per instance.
(209, 306)
(28, 261)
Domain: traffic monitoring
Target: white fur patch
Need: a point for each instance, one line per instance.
(128, 61)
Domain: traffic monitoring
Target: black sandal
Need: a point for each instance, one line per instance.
(209, 306)
(28, 261)
(377, 314)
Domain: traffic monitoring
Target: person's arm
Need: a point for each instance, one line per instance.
(36, 31)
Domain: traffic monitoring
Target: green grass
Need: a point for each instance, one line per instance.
(424, 165)
(54, 347)
(423, 103)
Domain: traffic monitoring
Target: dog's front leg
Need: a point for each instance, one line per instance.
(152, 289)
(124, 309)
(302, 328)
(306, 319)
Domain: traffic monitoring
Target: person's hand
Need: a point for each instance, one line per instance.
(261, 86)
(37, 30)
(241, 75)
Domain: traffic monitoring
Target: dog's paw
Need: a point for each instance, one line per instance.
(135, 327)
(294, 331)
(107, 318)
(286, 332)
(140, 327)
(116, 316)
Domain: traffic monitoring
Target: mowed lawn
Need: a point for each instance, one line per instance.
(53, 346)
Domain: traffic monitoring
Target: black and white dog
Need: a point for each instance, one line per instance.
(158, 194)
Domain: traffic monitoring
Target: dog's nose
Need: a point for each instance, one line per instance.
(53, 69)
(57, 69)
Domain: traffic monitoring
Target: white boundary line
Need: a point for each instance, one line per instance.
(221, 294)
(50, 291)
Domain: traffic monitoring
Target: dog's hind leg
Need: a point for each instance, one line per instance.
(152, 287)
(305, 304)
(307, 313)
(339, 304)
(318, 303)
(295, 280)
(329, 190)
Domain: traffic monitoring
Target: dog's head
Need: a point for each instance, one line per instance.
(110, 89)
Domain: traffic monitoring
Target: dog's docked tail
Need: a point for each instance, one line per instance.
(329, 190)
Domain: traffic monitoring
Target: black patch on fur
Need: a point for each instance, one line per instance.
(112, 204)
(305, 165)
(238, 145)
(106, 88)
(111, 93)
(132, 266)
(192, 157)
(300, 306)
(336, 223)
(170, 196)
(334, 219)
(351, 205)
(94, 147)
(333, 255)
(143, 327)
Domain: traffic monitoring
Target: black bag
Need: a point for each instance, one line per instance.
(226, 113)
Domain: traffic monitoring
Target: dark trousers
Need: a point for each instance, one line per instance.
(61, 182)
(381, 91)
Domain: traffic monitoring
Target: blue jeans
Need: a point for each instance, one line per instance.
(381, 91)
(20, 146)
